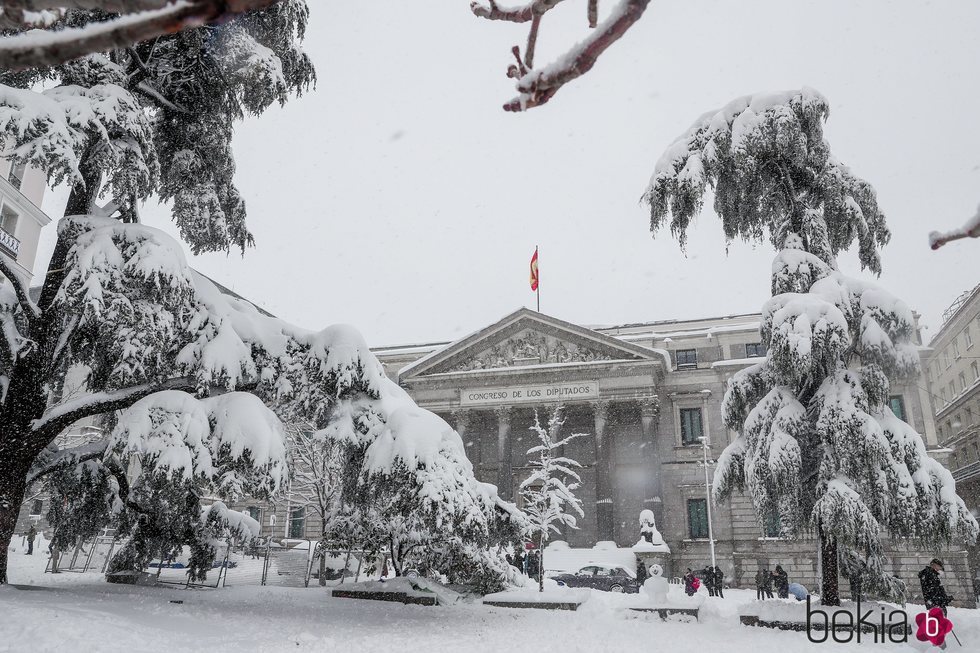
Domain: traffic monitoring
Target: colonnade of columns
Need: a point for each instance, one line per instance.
(604, 444)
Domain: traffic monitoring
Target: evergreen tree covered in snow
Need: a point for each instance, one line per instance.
(409, 491)
(817, 446)
(160, 344)
(549, 491)
(120, 304)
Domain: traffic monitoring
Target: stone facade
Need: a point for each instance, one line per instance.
(643, 393)
(952, 365)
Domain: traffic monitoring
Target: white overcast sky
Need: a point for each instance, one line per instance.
(400, 198)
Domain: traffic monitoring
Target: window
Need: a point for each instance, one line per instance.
(297, 522)
(963, 380)
(697, 518)
(976, 370)
(687, 358)
(967, 333)
(897, 404)
(37, 507)
(956, 346)
(942, 394)
(8, 220)
(691, 431)
(969, 417)
(254, 512)
(602, 571)
(946, 358)
(16, 176)
(754, 349)
(772, 525)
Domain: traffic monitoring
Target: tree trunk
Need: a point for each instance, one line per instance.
(829, 591)
(13, 484)
(540, 570)
(323, 568)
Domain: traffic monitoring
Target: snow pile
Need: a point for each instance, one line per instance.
(560, 558)
(556, 595)
(414, 587)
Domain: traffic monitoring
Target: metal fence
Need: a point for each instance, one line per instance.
(298, 565)
(175, 572)
(87, 555)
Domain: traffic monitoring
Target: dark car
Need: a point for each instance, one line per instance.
(607, 578)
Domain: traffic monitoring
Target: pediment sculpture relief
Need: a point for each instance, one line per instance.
(530, 348)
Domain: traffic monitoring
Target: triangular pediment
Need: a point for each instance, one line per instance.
(526, 338)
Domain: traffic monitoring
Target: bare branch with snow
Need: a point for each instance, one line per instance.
(537, 87)
(43, 48)
(969, 230)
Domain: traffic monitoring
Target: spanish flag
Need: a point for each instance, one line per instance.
(534, 270)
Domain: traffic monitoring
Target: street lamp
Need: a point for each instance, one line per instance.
(707, 494)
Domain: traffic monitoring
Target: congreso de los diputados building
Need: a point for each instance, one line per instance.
(647, 395)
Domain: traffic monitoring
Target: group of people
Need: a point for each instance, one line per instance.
(713, 579)
(528, 564)
(765, 580)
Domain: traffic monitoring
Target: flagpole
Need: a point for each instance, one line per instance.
(538, 291)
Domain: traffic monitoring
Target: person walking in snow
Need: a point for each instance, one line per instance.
(31, 534)
(691, 583)
(708, 578)
(519, 561)
(763, 584)
(532, 564)
(641, 573)
(933, 591)
(719, 578)
(781, 579)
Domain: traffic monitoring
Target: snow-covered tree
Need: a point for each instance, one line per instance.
(118, 300)
(409, 491)
(817, 445)
(549, 490)
(316, 476)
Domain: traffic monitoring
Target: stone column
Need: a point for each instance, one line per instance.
(472, 448)
(504, 472)
(650, 424)
(603, 467)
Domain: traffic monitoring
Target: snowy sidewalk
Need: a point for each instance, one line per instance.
(81, 613)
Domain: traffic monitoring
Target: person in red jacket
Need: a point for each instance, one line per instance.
(691, 583)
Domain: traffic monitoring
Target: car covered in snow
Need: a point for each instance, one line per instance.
(608, 578)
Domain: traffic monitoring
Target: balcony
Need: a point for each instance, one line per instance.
(967, 472)
(9, 245)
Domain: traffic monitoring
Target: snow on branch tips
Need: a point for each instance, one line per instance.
(969, 230)
(139, 21)
(538, 86)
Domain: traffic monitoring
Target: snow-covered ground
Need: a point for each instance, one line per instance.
(80, 612)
